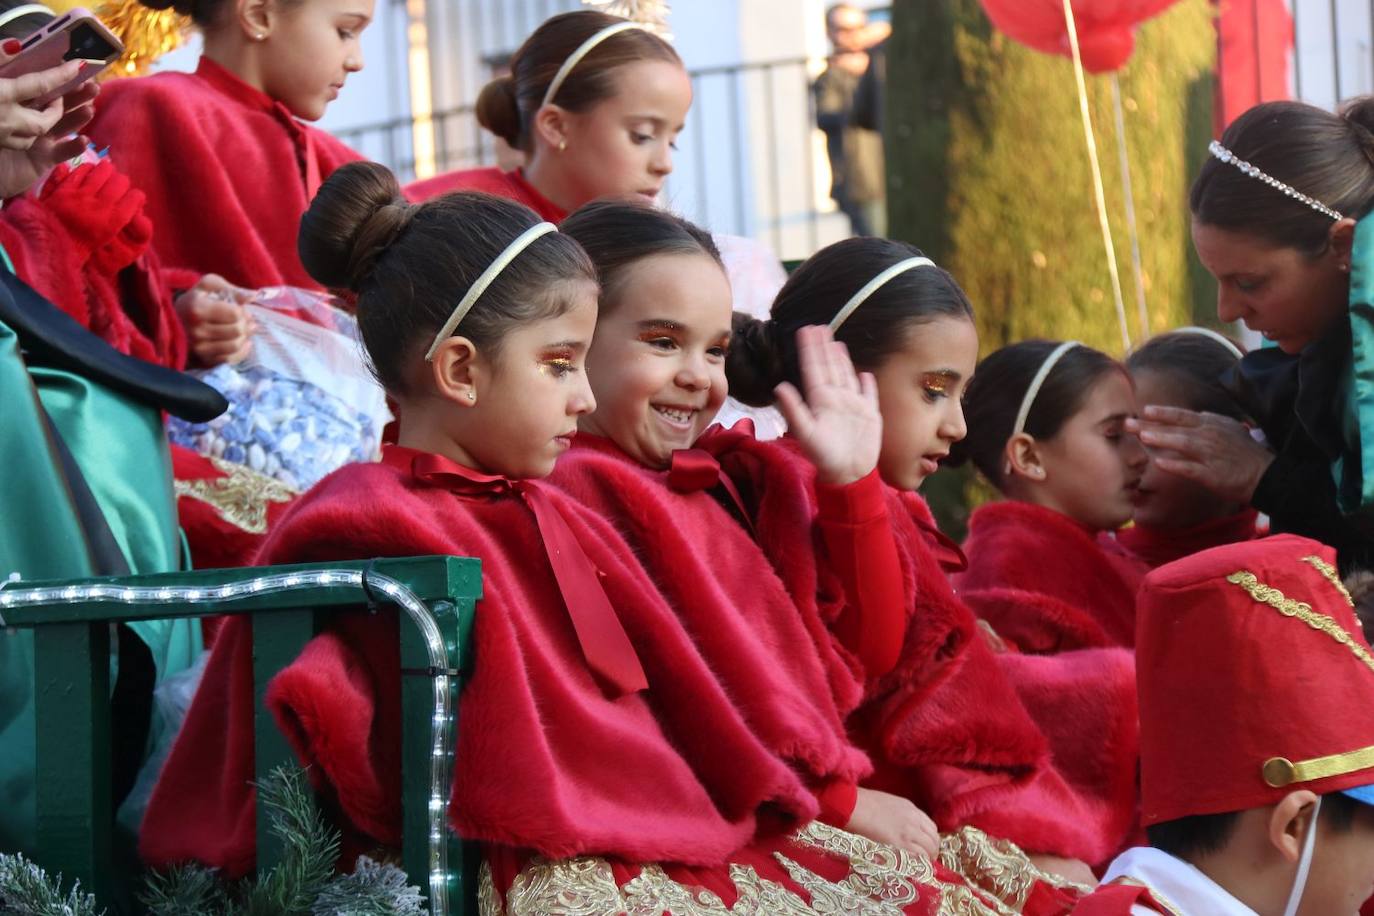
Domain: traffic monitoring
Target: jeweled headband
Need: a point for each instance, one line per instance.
(1225, 155)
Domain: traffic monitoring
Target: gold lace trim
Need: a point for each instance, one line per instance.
(882, 881)
(240, 497)
(1327, 570)
(1303, 611)
(997, 867)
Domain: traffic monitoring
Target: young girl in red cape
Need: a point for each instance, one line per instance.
(1174, 516)
(596, 737)
(657, 366)
(1038, 751)
(595, 103)
(229, 165)
(1047, 427)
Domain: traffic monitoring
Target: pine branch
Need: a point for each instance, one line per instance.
(26, 890)
(311, 847)
(185, 890)
(374, 889)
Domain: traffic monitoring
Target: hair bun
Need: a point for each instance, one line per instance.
(498, 110)
(1359, 114)
(754, 366)
(358, 212)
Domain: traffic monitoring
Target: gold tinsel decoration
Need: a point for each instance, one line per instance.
(147, 33)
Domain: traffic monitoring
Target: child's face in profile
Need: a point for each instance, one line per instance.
(1166, 500)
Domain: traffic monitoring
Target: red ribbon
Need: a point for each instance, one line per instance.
(695, 469)
(605, 644)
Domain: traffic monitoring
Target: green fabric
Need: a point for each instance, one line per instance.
(1354, 472)
(122, 451)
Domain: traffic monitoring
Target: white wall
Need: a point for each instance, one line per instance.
(1333, 57)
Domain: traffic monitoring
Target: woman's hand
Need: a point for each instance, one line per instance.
(837, 424)
(895, 821)
(32, 141)
(218, 327)
(1215, 451)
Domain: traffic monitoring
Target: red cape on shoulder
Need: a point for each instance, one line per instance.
(510, 185)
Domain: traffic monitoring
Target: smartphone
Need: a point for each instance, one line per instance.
(75, 35)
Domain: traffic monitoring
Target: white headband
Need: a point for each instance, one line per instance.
(1208, 332)
(872, 286)
(1225, 155)
(582, 51)
(1028, 401)
(475, 291)
(18, 12)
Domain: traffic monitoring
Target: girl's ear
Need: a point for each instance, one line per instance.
(551, 125)
(1022, 458)
(1342, 239)
(254, 18)
(457, 371)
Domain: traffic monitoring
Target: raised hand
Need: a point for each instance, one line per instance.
(1217, 452)
(837, 422)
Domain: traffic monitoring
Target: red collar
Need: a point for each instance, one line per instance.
(229, 84)
(437, 470)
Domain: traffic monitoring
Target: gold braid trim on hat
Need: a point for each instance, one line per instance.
(1288, 607)
(1279, 771)
(1327, 570)
(147, 34)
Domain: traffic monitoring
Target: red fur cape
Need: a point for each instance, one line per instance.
(1045, 582)
(1036, 750)
(228, 172)
(510, 185)
(545, 760)
(1156, 546)
(779, 664)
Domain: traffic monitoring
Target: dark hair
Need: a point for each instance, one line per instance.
(204, 13)
(25, 25)
(1196, 361)
(410, 264)
(1360, 584)
(1329, 157)
(616, 234)
(764, 353)
(993, 398)
(1195, 837)
(506, 104)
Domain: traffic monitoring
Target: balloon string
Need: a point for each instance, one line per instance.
(1143, 312)
(1097, 177)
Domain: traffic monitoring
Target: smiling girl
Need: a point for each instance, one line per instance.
(1047, 427)
(595, 102)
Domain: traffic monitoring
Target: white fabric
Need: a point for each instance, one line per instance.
(755, 275)
(1174, 883)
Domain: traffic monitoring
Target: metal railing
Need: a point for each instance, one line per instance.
(751, 161)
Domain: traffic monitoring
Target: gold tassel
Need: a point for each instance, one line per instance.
(147, 34)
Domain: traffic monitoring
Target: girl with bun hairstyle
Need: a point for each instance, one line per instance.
(1037, 751)
(1047, 428)
(780, 555)
(1275, 209)
(595, 102)
(590, 725)
(224, 154)
(1177, 516)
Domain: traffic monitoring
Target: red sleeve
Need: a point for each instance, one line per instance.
(858, 539)
(838, 798)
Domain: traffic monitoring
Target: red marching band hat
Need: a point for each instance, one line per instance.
(1254, 679)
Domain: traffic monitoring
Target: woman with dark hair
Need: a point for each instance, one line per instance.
(1275, 212)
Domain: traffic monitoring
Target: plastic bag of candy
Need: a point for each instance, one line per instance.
(303, 402)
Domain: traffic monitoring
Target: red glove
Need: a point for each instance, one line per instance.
(102, 213)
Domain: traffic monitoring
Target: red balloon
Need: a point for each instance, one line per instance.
(1106, 28)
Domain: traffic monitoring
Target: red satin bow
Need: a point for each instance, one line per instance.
(695, 469)
(604, 642)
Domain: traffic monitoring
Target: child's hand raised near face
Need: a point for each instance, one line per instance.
(837, 421)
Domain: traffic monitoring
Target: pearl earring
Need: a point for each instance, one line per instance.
(258, 36)
(472, 395)
(562, 145)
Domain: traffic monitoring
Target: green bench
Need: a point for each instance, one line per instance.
(71, 623)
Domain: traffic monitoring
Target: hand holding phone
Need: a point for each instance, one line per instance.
(76, 36)
(21, 125)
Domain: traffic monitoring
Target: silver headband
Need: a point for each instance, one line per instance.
(1225, 155)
